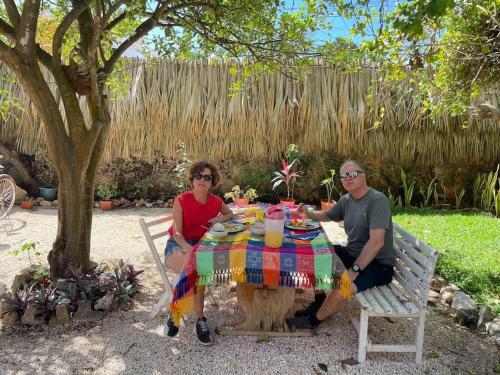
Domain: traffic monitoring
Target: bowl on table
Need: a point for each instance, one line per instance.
(218, 230)
(218, 233)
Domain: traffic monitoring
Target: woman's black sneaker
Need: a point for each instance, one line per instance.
(202, 332)
(170, 329)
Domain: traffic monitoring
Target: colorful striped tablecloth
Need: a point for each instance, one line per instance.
(243, 257)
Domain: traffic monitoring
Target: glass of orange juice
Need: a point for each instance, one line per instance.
(259, 213)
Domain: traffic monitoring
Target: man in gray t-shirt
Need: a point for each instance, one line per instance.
(369, 254)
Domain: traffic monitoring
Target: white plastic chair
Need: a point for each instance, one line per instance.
(168, 286)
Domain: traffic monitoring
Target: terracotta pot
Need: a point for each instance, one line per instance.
(241, 201)
(327, 205)
(106, 205)
(287, 202)
(27, 204)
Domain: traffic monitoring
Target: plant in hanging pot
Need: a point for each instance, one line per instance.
(27, 203)
(287, 176)
(240, 196)
(106, 191)
(329, 184)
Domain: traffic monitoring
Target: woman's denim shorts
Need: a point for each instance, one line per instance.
(174, 246)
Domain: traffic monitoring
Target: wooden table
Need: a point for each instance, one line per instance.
(266, 277)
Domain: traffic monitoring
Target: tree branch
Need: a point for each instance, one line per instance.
(141, 30)
(112, 9)
(114, 22)
(62, 29)
(7, 30)
(12, 12)
(7, 55)
(26, 32)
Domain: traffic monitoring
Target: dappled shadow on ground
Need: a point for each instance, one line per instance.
(127, 342)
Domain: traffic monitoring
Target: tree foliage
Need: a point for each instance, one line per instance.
(81, 42)
(450, 48)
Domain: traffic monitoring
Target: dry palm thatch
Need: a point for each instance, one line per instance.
(329, 111)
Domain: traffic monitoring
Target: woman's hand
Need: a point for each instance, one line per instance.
(187, 249)
(217, 219)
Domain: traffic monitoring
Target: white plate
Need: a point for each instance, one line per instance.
(234, 227)
(310, 226)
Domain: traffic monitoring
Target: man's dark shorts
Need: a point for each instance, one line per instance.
(374, 274)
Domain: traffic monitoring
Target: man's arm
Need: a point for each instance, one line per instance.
(369, 251)
(335, 214)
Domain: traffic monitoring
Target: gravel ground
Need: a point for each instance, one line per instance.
(127, 342)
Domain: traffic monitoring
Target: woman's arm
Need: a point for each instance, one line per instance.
(178, 237)
(226, 214)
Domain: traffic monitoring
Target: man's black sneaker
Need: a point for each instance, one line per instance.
(170, 329)
(304, 322)
(202, 332)
(312, 309)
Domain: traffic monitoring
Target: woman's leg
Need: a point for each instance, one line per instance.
(199, 301)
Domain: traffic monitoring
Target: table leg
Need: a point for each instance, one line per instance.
(265, 308)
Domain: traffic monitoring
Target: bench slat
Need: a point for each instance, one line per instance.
(414, 241)
(414, 282)
(420, 260)
(405, 286)
(406, 301)
(398, 305)
(373, 303)
(391, 305)
(391, 348)
(420, 273)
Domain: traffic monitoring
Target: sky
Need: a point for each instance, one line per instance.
(340, 26)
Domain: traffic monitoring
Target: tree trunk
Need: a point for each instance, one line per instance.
(71, 249)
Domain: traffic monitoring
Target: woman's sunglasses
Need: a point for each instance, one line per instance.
(206, 177)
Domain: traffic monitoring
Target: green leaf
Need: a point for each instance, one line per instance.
(323, 367)
(263, 338)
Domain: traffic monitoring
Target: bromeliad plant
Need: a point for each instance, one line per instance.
(286, 176)
(237, 193)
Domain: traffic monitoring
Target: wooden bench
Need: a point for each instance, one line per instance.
(405, 297)
(147, 228)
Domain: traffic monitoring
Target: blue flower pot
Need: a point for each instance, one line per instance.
(48, 193)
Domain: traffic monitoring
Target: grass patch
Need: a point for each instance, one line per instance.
(468, 243)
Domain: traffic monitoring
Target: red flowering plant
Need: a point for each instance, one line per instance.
(287, 176)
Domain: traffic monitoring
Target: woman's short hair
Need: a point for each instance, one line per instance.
(199, 166)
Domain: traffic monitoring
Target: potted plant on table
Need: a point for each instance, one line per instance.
(329, 184)
(240, 196)
(27, 203)
(287, 176)
(106, 191)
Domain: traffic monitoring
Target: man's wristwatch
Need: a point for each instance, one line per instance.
(356, 268)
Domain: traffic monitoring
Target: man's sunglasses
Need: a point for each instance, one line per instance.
(351, 174)
(200, 176)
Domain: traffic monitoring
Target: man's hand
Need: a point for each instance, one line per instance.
(352, 275)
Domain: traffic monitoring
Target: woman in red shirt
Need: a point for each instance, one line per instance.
(193, 212)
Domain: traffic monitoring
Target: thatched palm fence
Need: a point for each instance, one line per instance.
(328, 112)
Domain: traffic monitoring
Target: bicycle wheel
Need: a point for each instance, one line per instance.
(7, 194)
